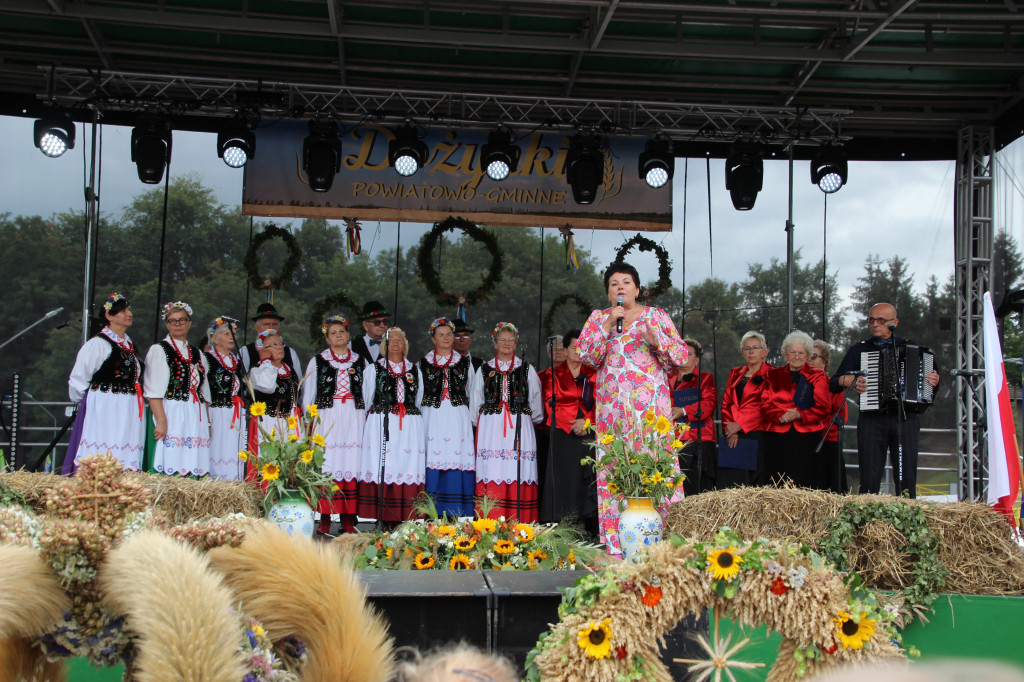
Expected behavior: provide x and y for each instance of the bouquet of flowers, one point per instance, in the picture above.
(291, 456)
(639, 458)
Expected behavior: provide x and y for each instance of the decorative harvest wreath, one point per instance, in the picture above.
(252, 258)
(582, 306)
(611, 622)
(329, 304)
(664, 266)
(432, 279)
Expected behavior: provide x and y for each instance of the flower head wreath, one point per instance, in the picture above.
(176, 305)
(504, 325)
(441, 322)
(336, 318)
(111, 300)
(217, 324)
(261, 338)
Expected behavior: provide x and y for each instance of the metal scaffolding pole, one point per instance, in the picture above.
(91, 219)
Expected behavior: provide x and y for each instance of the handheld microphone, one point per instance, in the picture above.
(228, 319)
(967, 372)
(619, 300)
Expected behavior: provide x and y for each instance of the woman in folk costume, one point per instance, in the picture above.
(178, 393)
(632, 361)
(227, 416)
(506, 394)
(335, 386)
(392, 390)
(106, 383)
(274, 384)
(450, 477)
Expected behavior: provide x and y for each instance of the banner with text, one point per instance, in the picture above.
(451, 182)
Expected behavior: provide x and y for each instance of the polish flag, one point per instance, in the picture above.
(1003, 461)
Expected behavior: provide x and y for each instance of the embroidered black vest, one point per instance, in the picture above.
(518, 390)
(119, 372)
(433, 382)
(222, 380)
(387, 385)
(282, 400)
(178, 385)
(327, 381)
(254, 357)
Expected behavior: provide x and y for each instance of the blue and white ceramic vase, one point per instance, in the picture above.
(292, 514)
(640, 525)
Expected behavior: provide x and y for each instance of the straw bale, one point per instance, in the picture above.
(976, 546)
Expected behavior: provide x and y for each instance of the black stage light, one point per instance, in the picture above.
(828, 168)
(321, 155)
(407, 153)
(499, 156)
(584, 167)
(151, 149)
(54, 135)
(657, 164)
(744, 175)
(236, 144)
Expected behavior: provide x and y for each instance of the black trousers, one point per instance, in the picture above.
(878, 434)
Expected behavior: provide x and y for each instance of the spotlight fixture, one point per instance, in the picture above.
(407, 153)
(584, 167)
(499, 156)
(657, 164)
(236, 144)
(321, 155)
(151, 149)
(828, 168)
(54, 135)
(744, 174)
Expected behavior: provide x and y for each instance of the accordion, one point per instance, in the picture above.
(886, 370)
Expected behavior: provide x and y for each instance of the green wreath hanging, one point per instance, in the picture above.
(922, 545)
(432, 279)
(664, 266)
(581, 305)
(338, 301)
(252, 258)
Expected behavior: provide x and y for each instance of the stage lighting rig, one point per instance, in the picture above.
(321, 155)
(151, 149)
(657, 164)
(828, 168)
(407, 153)
(54, 135)
(236, 144)
(584, 167)
(499, 157)
(744, 174)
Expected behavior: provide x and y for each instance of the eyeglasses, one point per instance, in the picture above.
(379, 322)
(751, 349)
(815, 356)
(178, 320)
(880, 320)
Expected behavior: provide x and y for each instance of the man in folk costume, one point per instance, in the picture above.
(267, 317)
(506, 394)
(463, 340)
(375, 322)
(179, 395)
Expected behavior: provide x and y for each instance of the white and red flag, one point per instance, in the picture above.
(1003, 461)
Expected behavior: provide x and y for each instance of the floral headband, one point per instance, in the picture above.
(111, 300)
(261, 338)
(336, 318)
(504, 325)
(176, 305)
(217, 324)
(442, 322)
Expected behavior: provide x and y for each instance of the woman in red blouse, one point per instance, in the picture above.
(835, 464)
(742, 418)
(570, 487)
(796, 401)
(695, 406)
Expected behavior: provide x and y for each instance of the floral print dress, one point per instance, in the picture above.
(631, 379)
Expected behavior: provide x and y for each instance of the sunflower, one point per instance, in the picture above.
(446, 531)
(292, 422)
(613, 489)
(423, 562)
(663, 425)
(596, 639)
(292, 437)
(257, 409)
(676, 444)
(607, 438)
(318, 439)
(313, 410)
(272, 432)
(485, 525)
(651, 596)
(243, 455)
(649, 416)
(464, 544)
(853, 634)
(504, 547)
(459, 562)
(387, 554)
(270, 471)
(523, 532)
(307, 456)
(724, 564)
(586, 424)
(535, 557)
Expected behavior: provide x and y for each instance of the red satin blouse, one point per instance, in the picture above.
(747, 411)
(777, 397)
(568, 395)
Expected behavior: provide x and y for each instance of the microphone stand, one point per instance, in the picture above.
(243, 380)
(554, 415)
(52, 313)
(901, 414)
(385, 435)
(517, 441)
(832, 422)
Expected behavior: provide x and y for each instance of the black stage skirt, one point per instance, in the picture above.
(791, 456)
(707, 451)
(569, 487)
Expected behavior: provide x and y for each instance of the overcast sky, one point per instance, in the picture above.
(885, 208)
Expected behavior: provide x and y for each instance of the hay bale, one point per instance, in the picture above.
(182, 500)
(975, 543)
